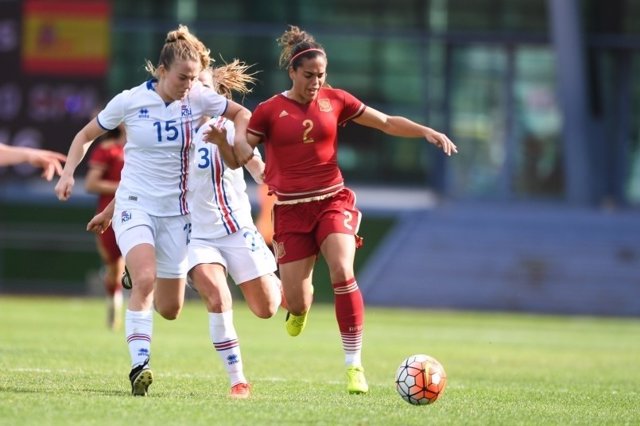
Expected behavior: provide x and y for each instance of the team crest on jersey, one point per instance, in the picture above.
(185, 110)
(325, 105)
(125, 216)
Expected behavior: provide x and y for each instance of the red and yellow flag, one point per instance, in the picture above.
(66, 37)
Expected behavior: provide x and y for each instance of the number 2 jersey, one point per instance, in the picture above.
(159, 137)
(301, 142)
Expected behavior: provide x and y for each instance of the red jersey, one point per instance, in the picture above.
(301, 142)
(109, 157)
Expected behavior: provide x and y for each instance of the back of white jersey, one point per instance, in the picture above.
(218, 198)
(159, 137)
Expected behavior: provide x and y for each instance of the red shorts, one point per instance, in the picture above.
(108, 245)
(301, 228)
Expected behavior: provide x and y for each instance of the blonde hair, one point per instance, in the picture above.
(180, 44)
(233, 77)
(297, 44)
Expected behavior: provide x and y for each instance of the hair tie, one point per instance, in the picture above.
(313, 49)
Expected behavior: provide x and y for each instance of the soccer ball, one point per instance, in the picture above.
(420, 379)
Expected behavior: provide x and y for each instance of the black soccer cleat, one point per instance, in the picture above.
(141, 377)
(126, 279)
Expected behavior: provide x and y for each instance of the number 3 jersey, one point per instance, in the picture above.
(218, 198)
(159, 136)
(301, 142)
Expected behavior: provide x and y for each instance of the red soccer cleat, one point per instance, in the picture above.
(240, 391)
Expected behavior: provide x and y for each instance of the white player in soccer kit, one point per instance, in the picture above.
(224, 239)
(151, 219)
(222, 227)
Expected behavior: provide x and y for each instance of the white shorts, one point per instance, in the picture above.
(244, 254)
(169, 235)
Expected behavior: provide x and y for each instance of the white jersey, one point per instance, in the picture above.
(159, 136)
(218, 198)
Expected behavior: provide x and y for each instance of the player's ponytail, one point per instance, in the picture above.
(297, 44)
(233, 77)
(180, 44)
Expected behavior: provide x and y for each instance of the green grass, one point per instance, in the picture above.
(60, 366)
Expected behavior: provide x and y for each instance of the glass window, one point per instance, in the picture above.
(478, 107)
(632, 179)
(498, 15)
(539, 168)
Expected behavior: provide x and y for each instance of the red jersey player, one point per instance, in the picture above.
(105, 165)
(314, 212)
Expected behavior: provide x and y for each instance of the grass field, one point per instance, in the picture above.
(60, 366)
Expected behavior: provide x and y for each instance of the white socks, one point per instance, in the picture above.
(138, 326)
(225, 341)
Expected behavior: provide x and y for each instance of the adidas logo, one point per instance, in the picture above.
(283, 114)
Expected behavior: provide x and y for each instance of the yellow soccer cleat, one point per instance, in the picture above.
(295, 323)
(356, 382)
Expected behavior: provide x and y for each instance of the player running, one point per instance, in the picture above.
(151, 212)
(314, 212)
(105, 166)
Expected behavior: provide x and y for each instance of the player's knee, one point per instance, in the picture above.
(144, 280)
(266, 311)
(168, 311)
(340, 272)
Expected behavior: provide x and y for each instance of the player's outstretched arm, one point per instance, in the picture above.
(49, 161)
(403, 127)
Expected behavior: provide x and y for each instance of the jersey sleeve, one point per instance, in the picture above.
(213, 104)
(258, 124)
(353, 107)
(113, 114)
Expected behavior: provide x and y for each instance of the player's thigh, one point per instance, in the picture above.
(262, 295)
(339, 252)
(210, 280)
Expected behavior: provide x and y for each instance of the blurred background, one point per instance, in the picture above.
(538, 211)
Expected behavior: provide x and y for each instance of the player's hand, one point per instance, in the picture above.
(243, 152)
(64, 187)
(99, 223)
(49, 161)
(214, 135)
(442, 141)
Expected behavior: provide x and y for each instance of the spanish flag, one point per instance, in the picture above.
(66, 37)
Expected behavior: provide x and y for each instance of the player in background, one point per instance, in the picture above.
(49, 161)
(151, 219)
(314, 212)
(102, 178)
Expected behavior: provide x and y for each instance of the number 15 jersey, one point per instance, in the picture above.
(159, 136)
